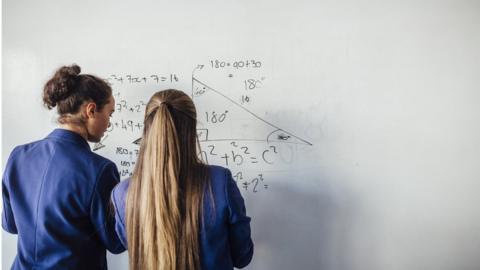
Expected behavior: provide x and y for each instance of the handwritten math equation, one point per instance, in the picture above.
(243, 159)
(126, 159)
(238, 154)
(236, 64)
(142, 79)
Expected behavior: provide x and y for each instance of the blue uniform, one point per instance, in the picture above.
(225, 240)
(56, 197)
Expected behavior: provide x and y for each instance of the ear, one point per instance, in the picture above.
(90, 109)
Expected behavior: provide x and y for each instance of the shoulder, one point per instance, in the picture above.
(220, 180)
(17, 149)
(218, 172)
(21, 151)
(26, 147)
(101, 161)
(100, 168)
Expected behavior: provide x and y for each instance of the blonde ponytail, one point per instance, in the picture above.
(166, 188)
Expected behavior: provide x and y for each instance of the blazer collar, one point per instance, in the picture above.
(70, 136)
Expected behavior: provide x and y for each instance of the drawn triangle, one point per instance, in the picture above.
(137, 141)
(221, 118)
(99, 145)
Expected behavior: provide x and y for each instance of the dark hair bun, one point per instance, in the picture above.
(61, 85)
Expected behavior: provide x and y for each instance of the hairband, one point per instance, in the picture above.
(164, 103)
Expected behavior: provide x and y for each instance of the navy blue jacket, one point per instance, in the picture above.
(56, 197)
(225, 240)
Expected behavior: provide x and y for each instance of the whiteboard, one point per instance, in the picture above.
(351, 127)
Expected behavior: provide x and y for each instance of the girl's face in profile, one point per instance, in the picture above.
(98, 124)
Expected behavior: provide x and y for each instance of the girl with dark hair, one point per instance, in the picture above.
(56, 191)
(177, 213)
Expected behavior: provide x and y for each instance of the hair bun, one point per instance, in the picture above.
(61, 85)
(67, 71)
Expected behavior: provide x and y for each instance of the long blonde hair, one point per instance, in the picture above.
(165, 198)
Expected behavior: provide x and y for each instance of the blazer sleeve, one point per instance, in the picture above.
(102, 212)
(119, 206)
(8, 220)
(241, 244)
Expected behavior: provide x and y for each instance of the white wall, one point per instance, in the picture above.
(385, 91)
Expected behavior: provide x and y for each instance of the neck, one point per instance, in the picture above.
(77, 129)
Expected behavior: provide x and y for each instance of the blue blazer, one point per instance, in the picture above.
(56, 197)
(225, 240)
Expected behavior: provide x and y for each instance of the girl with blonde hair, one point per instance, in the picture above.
(177, 213)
